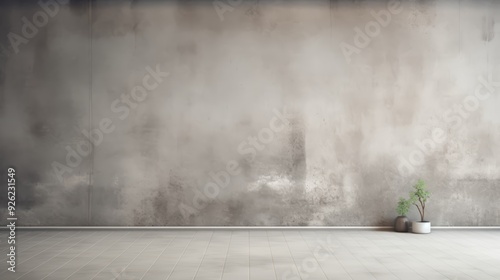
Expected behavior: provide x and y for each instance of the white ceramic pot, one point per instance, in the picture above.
(421, 227)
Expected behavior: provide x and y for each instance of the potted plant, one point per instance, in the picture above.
(419, 197)
(401, 223)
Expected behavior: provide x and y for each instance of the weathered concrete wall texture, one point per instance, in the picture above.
(252, 112)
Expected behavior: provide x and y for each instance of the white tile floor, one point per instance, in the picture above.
(253, 254)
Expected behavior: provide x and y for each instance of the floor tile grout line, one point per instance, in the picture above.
(291, 255)
(225, 259)
(131, 244)
(326, 277)
(149, 244)
(62, 241)
(430, 268)
(157, 258)
(461, 262)
(30, 237)
(184, 251)
(74, 245)
(382, 264)
(272, 257)
(38, 243)
(61, 266)
(204, 254)
(18, 240)
(357, 258)
(249, 248)
(343, 267)
(24, 261)
(417, 272)
(468, 248)
(96, 256)
(360, 261)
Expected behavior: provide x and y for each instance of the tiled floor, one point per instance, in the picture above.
(253, 254)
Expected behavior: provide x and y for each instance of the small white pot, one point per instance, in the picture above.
(421, 227)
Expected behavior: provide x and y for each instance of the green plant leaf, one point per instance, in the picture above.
(419, 197)
(403, 207)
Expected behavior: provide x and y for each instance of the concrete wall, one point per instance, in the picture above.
(259, 113)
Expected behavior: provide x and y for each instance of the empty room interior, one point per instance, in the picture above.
(250, 139)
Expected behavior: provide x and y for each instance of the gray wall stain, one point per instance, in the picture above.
(337, 161)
